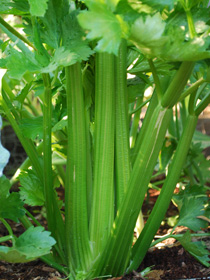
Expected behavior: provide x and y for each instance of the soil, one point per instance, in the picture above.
(170, 262)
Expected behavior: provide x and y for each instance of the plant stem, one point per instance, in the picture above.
(191, 89)
(141, 246)
(135, 124)
(17, 34)
(156, 79)
(177, 235)
(54, 218)
(89, 163)
(9, 229)
(6, 238)
(177, 85)
(202, 104)
(102, 212)
(76, 215)
(122, 164)
(55, 265)
(150, 110)
(133, 111)
(191, 24)
(117, 252)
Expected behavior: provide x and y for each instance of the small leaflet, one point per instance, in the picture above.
(38, 7)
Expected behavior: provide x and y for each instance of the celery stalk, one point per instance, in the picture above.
(102, 212)
(76, 217)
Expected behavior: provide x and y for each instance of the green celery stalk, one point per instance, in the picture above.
(117, 251)
(54, 218)
(142, 245)
(150, 110)
(135, 124)
(102, 212)
(177, 85)
(202, 104)
(122, 157)
(76, 214)
(156, 79)
(192, 88)
(89, 163)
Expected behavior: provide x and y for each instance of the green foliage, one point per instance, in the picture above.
(191, 209)
(31, 190)
(38, 8)
(33, 243)
(11, 206)
(101, 17)
(196, 249)
(68, 98)
(32, 128)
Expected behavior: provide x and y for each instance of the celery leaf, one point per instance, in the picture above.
(103, 25)
(38, 7)
(192, 208)
(18, 63)
(73, 37)
(11, 206)
(197, 249)
(31, 190)
(33, 243)
(160, 3)
(4, 186)
(155, 37)
(32, 127)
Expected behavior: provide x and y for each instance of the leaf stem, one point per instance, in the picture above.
(141, 246)
(202, 104)
(135, 124)
(191, 89)
(76, 214)
(9, 229)
(117, 251)
(122, 157)
(191, 25)
(140, 106)
(54, 218)
(177, 85)
(156, 79)
(16, 33)
(177, 235)
(6, 238)
(102, 213)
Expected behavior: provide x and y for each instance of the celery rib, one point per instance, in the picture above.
(142, 245)
(76, 218)
(102, 212)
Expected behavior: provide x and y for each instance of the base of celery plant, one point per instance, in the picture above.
(39, 270)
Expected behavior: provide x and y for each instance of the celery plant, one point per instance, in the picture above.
(73, 60)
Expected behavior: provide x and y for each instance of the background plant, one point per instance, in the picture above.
(68, 99)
